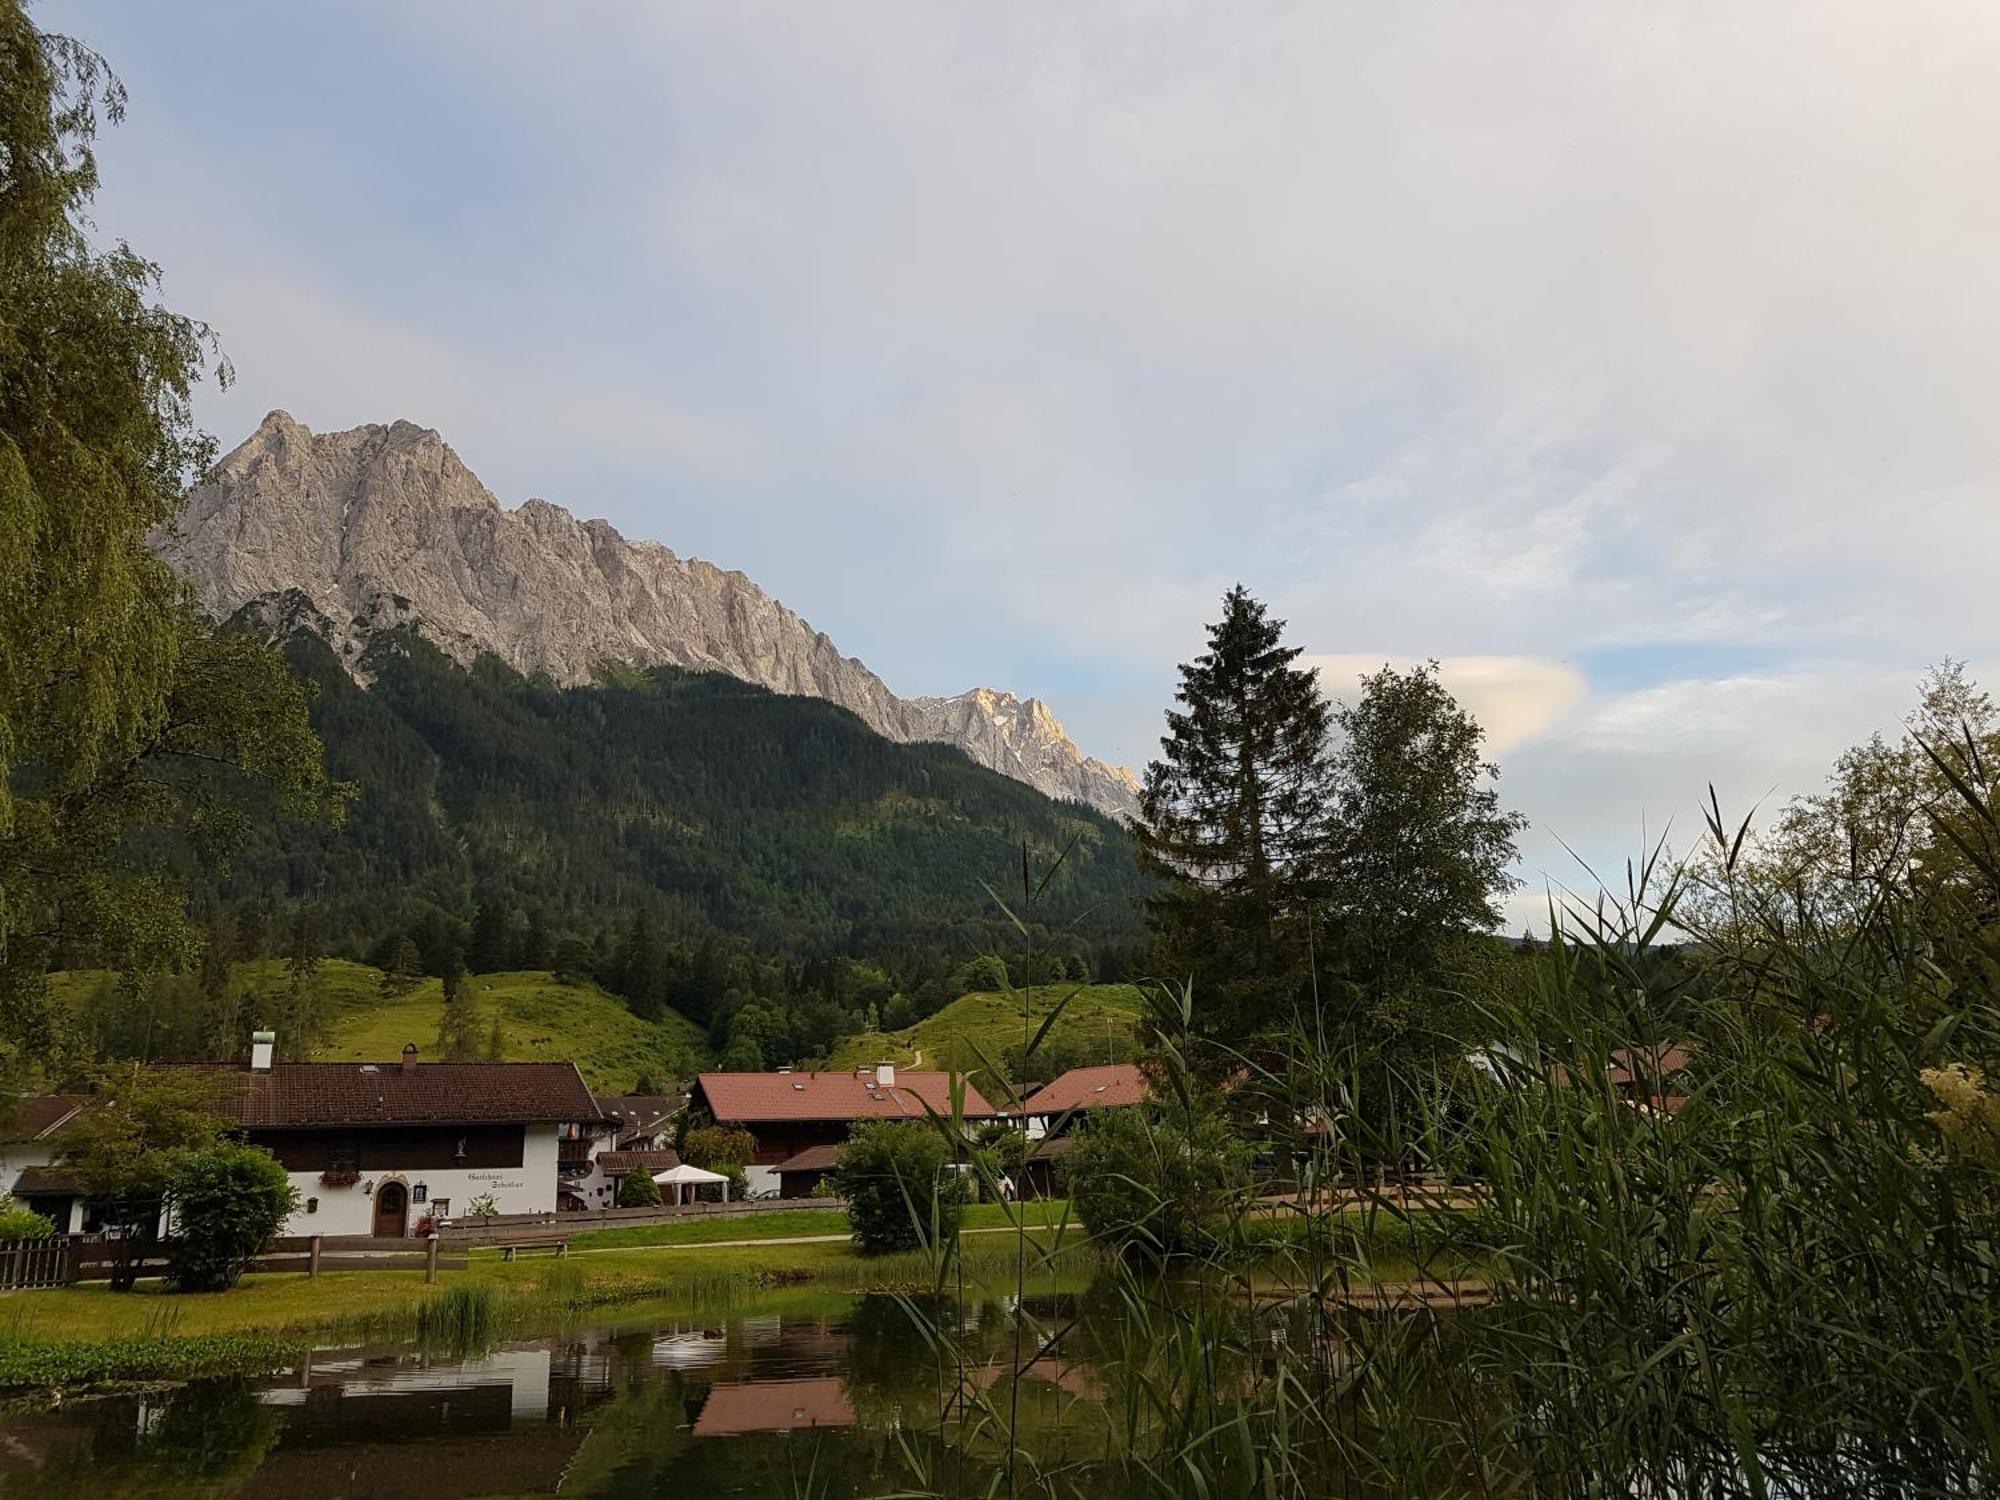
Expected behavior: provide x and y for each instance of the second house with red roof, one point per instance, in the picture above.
(799, 1120)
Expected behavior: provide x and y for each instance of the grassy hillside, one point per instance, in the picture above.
(1103, 1018)
(540, 1020)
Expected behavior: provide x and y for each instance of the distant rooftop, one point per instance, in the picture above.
(1108, 1086)
(293, 1095)
(743, 1098)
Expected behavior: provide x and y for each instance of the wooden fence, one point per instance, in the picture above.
(502, 1227)
(68, 1259)
(35, 1263)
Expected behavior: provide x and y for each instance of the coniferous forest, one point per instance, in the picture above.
(673, 834)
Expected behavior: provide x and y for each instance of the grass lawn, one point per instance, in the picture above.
(291, 1303)
(993, 1021)
(618, 1266)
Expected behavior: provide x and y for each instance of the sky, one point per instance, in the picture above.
(1636, 362)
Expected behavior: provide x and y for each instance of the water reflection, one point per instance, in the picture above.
(751, 1405)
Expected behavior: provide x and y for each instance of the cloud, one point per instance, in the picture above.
(1516, 699)
(1000, 341)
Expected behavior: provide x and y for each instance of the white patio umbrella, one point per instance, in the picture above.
(684, 1178)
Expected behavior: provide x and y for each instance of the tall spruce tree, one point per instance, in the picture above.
(458, 1026)
(1231, 818)
(490, 948)
(641, 967)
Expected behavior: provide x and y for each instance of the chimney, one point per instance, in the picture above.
(885, 1075)
(409, 1057)
(262, 1045)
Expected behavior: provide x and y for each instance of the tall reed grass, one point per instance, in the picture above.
(1775, 1274)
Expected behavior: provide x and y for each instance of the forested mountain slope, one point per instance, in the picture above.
(781, 822)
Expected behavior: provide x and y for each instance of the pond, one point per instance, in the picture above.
(831, 1395)
(835, 1403)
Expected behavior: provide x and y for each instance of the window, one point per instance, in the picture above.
(343, 1164)
(419, 1192)
(441, 1207)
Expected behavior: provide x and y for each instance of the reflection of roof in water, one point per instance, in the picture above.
(774, 1406)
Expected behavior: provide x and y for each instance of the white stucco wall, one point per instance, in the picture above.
(19, 1154)
(527, 1189)
(594, 1188)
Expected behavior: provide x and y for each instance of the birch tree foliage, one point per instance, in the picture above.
(126, 721)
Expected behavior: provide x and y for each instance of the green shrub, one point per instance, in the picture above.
(228, 1200)
(19, 1222)
(1156, 1186)
(902, 1189)
(638, 1190)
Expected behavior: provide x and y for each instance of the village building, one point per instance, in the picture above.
(1646, 1077)
(798, 1120)
(1050, 1114)
(29, 1128)
(388, 1148)
(631, 1133)
(1109, 1086)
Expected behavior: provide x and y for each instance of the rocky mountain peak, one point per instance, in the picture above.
(379, 524)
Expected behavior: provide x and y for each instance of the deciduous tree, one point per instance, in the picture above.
(120, 711)
(1418, 856)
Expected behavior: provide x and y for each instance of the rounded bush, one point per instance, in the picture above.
(902, 1188)
(638, 1190)
(228, 1200)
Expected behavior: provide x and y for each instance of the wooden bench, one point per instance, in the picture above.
(559, 1244)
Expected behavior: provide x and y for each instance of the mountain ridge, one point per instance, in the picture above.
(384, 526)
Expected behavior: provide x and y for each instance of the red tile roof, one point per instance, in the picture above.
(304, 1094)
(37, 1115)
(774, 1406)
(1649, 1064)
(616, 1163)
(1090, 1088)
(749, 1098)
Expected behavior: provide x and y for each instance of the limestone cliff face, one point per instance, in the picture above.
(385, 525)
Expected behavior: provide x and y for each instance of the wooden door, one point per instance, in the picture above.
(392, 1211)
